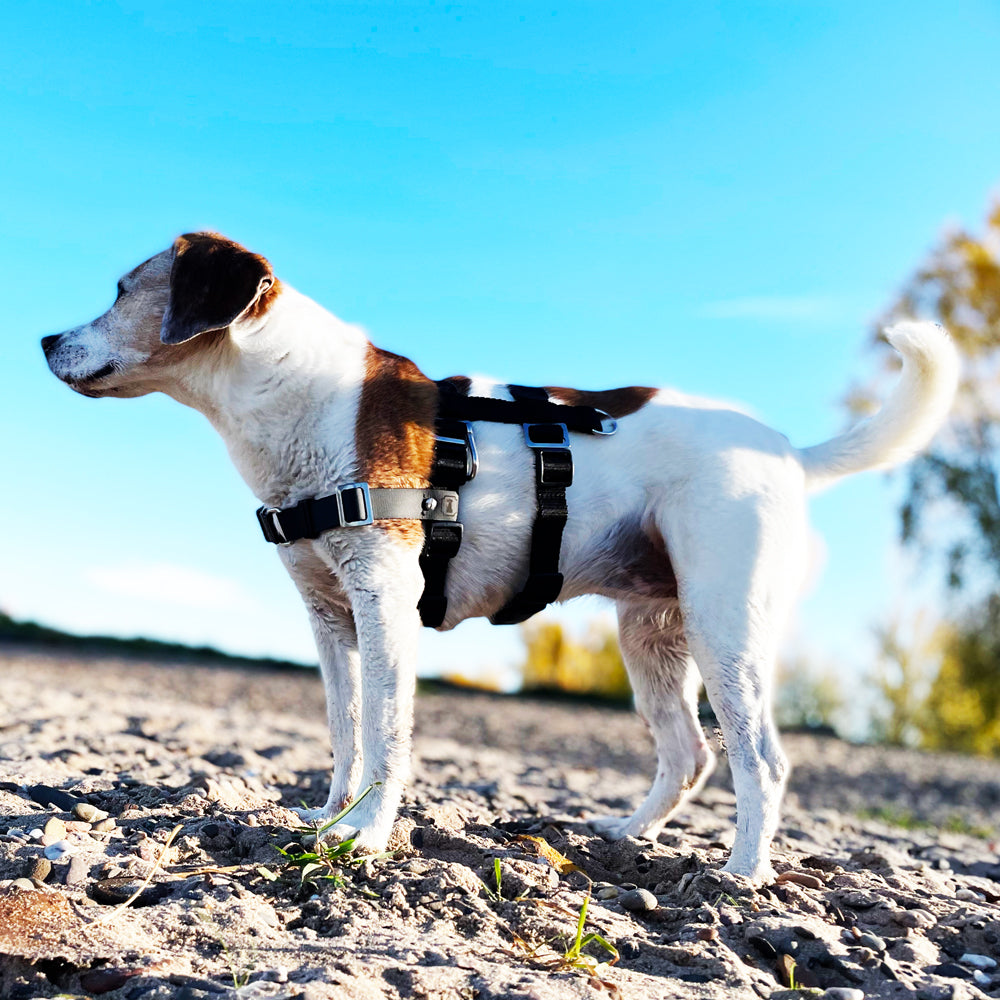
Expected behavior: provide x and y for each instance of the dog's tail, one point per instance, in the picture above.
(909, 419)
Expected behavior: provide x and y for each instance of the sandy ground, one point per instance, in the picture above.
(864, 906)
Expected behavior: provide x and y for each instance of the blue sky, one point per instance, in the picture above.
(719, 197)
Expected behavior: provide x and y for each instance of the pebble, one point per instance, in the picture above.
(978, 961)
(950, 971)
(55, 829)
(707, 934)
(41, 869)
(800, 878)
(981, 977)
(872, 941)
(16, 833)
(57, 850)
(24, 884)
(638, 900)
(105, 825)
(88, 813)
(104, 980)
(35, 834)
(843, 993)
(608, 892)
(79, 870)
(112, 891)
(913, 918)
(46, 795)
(968, 896)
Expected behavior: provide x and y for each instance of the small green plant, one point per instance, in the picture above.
(242, 961)
(574, 957)
(495, 894)
(323, 862)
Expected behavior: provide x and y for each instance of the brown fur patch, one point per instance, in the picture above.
(614, 402)
(395, 430)
(462, 383)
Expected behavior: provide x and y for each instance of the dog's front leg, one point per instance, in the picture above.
(383, 597)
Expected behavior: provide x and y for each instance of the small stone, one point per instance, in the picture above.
(55, 828)
(46, 795)
(978, 961)
(800, 878)
(24, 884)
(763, 946)
(913, 918)
(707, 934)
(112, 891)
(89, 813)
(41, 869)
(843, 993)
(105, 825)
(608, 892)
(16, 833)
(950, 971)
(786, 970)
(79, 870)
(638, 900)
(99, 981)
(57, 850)
(35, 834)
(872, 941)
(981, 977)
(969, 896)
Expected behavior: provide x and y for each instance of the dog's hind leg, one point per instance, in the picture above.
(739, 566)
(666, 683)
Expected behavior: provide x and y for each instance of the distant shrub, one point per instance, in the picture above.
(556, 662)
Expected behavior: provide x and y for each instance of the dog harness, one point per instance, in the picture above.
(546, 426)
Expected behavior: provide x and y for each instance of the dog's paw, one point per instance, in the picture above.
(756, 874)
(615, 827)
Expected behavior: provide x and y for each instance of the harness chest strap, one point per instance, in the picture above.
(546, 428)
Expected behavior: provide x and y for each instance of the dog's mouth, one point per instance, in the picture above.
(85, 384)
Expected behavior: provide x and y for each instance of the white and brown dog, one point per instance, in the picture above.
(691, 518)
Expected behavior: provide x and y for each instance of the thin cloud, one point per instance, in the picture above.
(169, 584)
(771, 307)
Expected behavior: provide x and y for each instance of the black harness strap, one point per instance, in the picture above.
(453, 465)
(553, 473)
(546, 426)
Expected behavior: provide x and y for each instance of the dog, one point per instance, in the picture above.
(691, 518)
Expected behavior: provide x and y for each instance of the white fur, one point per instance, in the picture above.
(724, 494)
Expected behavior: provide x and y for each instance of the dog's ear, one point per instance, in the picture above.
(213, 281)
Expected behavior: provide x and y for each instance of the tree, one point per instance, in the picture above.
(952, 506)
(951, 509)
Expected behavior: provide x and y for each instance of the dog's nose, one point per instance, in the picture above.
(49, 342)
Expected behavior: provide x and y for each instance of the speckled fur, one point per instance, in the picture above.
(691, 517)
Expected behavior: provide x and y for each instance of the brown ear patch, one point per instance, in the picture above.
(214, 281)
(395, 430)
(614, 402)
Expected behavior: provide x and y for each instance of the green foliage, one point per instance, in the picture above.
(951, 511)
(957, 479)
(902, 680)
(555, 662)
(962, 711)
(807, 696)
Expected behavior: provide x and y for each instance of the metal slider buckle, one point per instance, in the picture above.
(362, 488)
(564, 443)
(608, 423)
(469, 444)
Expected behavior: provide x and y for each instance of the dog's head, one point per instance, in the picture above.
(203, 284)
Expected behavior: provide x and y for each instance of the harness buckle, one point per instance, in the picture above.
(355, 504)
(608, 423)
(267, 518)
(468, 445)
(546, 435)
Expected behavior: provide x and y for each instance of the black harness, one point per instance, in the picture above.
(546, 426)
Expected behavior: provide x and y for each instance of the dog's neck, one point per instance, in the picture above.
(283, 392)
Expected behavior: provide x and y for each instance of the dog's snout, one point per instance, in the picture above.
(49, 342)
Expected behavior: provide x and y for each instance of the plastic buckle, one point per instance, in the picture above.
(362, 501)
(546, 435)
(444, 539)
(267, 517)
(555, 467)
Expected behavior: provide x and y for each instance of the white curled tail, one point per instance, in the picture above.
(909, 419)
